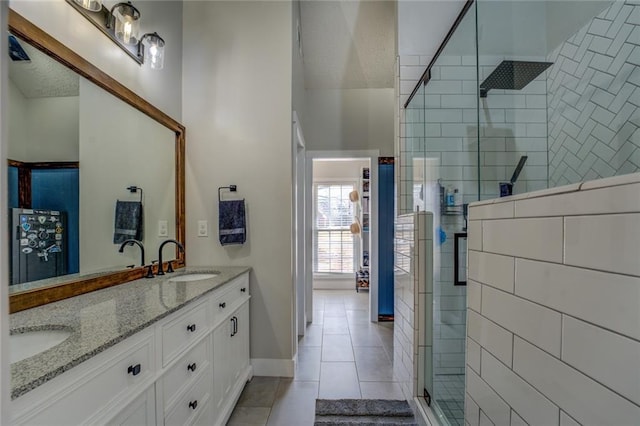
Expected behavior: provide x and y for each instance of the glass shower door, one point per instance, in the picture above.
(450, 182)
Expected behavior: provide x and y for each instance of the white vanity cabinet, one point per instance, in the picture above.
(188, 368)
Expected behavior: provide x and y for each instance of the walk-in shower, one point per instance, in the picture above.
(549, 89)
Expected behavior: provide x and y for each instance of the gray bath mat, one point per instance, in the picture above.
(361, 412)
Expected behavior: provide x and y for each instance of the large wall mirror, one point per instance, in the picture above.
(80, 143)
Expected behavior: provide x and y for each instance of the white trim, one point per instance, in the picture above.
(424, 415)
(372, 155)
(299, 309)
(272, 367)
(5, 408)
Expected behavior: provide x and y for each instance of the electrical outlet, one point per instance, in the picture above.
(163, 228)
(203, 230)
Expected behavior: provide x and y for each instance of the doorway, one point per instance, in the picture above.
(333, 254)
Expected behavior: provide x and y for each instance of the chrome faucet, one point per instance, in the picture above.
(169, 268)
(132, 242)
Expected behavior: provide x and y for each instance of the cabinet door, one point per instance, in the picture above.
(142, 411)
(241, 341)
(222, 356)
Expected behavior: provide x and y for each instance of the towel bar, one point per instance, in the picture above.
(134, 189)
(231, 188)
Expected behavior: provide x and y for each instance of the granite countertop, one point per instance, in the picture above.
(100, 319)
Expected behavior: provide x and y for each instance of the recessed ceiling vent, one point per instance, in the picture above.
(512, 75)
(16, 52)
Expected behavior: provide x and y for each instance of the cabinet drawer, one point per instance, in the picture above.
(230, 296)
(85, 397)
(189, 406)
(180, 332)
(186, 370)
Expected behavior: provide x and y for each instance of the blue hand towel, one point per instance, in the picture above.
(128, 221)
(232, 222)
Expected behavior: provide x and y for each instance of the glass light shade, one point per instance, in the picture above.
(127, 23)
(92, 5)
(155, 51)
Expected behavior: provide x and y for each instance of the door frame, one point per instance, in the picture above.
(301, 312)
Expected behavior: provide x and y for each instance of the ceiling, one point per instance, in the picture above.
(348, 44)
(42, 77)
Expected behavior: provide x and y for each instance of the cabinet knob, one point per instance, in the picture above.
(191, 328)
(191, 367)
(243, 289)
(193, 404)
(223, 305)
(134, 369)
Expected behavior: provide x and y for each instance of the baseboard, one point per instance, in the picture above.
(334, 284)
(273, 367)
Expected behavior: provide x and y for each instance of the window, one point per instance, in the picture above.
(333, 250)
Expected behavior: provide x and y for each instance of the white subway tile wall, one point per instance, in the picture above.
(412, 299)
(594, 97)
(561, 346)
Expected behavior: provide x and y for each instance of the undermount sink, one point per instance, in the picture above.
(194, 277)
(29, 343)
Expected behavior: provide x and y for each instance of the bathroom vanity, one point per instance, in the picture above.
(170, 350)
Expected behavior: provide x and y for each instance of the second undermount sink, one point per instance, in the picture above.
(29, 343)
(195, 277)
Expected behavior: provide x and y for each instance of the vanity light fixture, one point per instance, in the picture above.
(155, 53)
(122, 25)
(124, 18)
(92, 5)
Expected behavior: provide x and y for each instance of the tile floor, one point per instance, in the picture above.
(342, 355)
(449, 391)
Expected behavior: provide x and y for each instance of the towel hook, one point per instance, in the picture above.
(231, 188)
(134, 189)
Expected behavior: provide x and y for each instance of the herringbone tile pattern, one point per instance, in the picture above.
(594, 96)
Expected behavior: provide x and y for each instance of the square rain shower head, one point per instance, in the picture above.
(512, 75)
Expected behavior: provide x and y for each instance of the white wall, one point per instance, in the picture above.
(161, 88)
(338, 169)
(553, 332)
(413, 300)
(353, 119)
(422, 26)
(237, 110)
(42, 129)
(138, 151)
(17, 128)
(299, 92)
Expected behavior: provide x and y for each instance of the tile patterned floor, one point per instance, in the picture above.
(449, 391)
(341, 343)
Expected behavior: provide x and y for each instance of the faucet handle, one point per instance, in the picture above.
(149, 271)
(170, 266)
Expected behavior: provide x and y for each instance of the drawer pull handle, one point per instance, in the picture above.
(134, 369)
(191, 367)
(234, 321)
(193, 404)
(223, 305)
(244, 290)
(191, 328)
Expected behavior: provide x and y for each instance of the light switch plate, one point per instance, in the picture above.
(163, 228)
(203, 230)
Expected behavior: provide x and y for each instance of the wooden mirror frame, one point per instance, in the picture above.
(27, 31)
